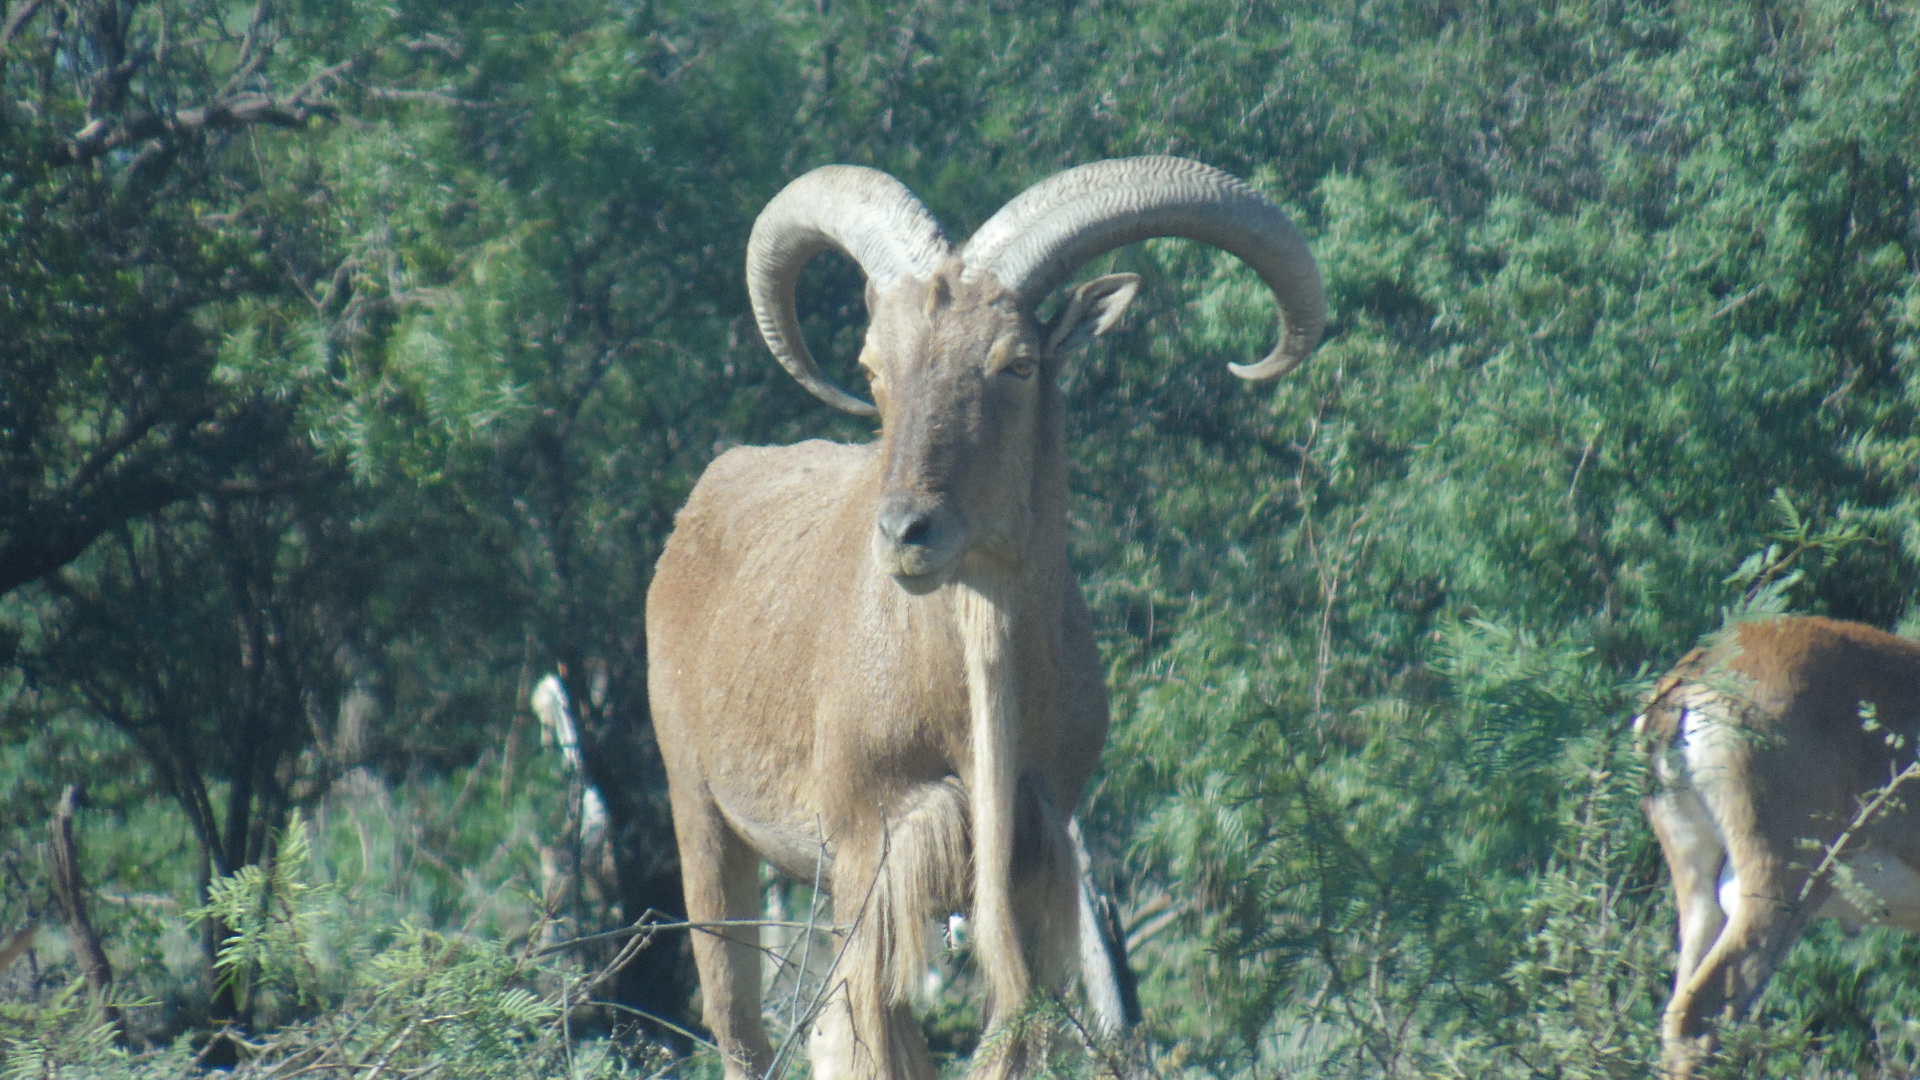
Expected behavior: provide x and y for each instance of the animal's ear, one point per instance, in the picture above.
(1091, 311)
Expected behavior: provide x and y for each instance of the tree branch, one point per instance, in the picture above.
(76, 525)
(18, 14)
(251, 55)
(432, 97)
(231, 112)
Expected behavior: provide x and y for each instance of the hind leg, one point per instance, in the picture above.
(1047, 895)
(1767, 919)
(1694, 856)
(721, 876)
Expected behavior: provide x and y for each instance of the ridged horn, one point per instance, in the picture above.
(1063, 222)
(865, 213)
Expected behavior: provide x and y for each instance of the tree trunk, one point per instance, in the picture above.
(69, 891)
(621, 759)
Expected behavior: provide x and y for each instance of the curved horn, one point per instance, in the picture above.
(1058, 225)
(865, 213)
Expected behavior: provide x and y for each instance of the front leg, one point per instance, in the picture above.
(1045, 906)
(721, 876)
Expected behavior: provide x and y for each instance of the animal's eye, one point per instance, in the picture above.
(1007, 356)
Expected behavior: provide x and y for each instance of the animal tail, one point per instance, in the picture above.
(1658, 724)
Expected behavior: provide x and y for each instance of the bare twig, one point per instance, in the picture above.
(784, 1053)
(1102, 1048)
(620, 960)
(431, 97)
(1586, 454)
(661, 1020)
(1868, 811)
(806, 936)
(1734, 304)
(394, 1048)
(646, 929)
(241, 110)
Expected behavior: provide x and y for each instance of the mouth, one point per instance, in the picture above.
(916, 567)
(919, 547)
(921, 584)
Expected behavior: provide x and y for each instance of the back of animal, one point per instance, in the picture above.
(1807, 675)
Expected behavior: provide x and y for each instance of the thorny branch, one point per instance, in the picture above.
(1868, 811)
(645, 930)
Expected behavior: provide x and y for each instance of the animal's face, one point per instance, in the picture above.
(964, 380)
(956, 371)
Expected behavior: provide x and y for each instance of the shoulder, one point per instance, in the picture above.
(815, 460)
(749, 488)
(751, 474)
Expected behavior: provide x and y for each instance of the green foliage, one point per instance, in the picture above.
(267, 913)
(343, 978)
(1767, 577)
(50, 1038)
(1626, 321)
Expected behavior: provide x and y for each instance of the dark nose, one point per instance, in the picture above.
(904, 523)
